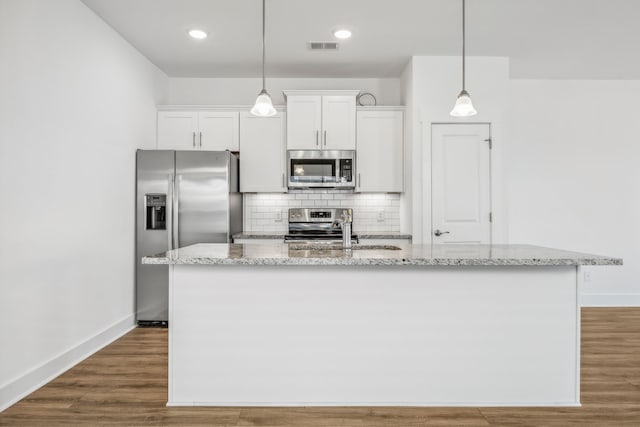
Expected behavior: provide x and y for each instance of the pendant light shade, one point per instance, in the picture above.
(464, 106)
(263, 106)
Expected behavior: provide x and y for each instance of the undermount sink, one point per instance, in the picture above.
(337, 247)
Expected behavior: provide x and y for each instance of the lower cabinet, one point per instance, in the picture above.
(380, 151)
(262, 158)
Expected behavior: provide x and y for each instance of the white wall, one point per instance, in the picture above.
(76, 101)
(243, 91)
(436, 82)
(573, 176)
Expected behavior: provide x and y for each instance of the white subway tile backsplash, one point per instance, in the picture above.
(260, 209)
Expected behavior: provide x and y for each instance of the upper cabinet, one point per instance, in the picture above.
(262, 160)
(219, 130)
(321, 120)
(199, 130)
(304, 122)
(177, 130)
(380, 150)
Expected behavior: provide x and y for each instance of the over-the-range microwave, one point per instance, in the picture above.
(321, 168)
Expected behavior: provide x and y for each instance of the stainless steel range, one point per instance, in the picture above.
(317, 225)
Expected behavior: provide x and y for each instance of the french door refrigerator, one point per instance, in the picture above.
(182, 198)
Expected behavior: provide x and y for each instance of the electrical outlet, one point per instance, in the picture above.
(380, 216)
(278, 216)
(587, 276)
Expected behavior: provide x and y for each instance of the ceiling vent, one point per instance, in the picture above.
(323, 45)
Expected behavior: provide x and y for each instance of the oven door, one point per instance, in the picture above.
(320, 169)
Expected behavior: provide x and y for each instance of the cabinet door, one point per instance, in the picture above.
(219, 130)
(338, 122)
(379, 161)
(177, 130)
(262, 159)
(304, 121)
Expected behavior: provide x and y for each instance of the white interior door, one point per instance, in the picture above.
(461, 183)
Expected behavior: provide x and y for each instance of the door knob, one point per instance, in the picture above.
(440, 233)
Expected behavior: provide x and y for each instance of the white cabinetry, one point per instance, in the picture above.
(198, 130)
(177, 130)
(262, 159)
(321, 120)
(380, 150)
(219, 130)
(305, 122)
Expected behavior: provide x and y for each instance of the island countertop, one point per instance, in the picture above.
(405, 254)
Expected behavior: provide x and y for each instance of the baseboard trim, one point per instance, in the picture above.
(610, 300)
(383, 404)
(12, 392)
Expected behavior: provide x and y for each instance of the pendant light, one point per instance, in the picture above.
(463, 107)
(264, 106)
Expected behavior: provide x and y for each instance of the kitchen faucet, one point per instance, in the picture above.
(345, 223)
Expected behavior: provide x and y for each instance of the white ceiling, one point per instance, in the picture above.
(590, 39)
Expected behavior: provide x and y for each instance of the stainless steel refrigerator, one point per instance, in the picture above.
(182, 198)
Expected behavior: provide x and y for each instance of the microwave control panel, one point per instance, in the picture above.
(346, 169)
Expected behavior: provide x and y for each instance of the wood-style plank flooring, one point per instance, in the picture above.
(126, 384)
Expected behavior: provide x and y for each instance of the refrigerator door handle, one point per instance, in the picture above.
(169, 218)
(176, 208)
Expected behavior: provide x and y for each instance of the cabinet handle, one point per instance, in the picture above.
(317, 133)
(282, 180)
(325, 138)
(359, 181)
(194, 140)
(200, 139)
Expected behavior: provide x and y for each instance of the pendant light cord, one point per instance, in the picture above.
(463, 49)
(264, 86)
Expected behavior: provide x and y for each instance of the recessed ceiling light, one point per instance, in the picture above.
(198, 34)
(342, 34)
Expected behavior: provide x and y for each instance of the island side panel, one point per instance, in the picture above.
(346, 335)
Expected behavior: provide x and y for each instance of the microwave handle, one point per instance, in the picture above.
(317, 136)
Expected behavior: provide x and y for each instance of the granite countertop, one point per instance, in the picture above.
(367, 235)
(405, 254)
(258, 235)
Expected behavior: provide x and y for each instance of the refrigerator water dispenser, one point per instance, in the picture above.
(156, 211)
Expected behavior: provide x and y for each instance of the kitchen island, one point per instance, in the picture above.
(416, 325)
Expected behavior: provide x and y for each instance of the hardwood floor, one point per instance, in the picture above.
(126, 384)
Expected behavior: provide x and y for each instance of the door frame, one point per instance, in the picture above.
(427, 187)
